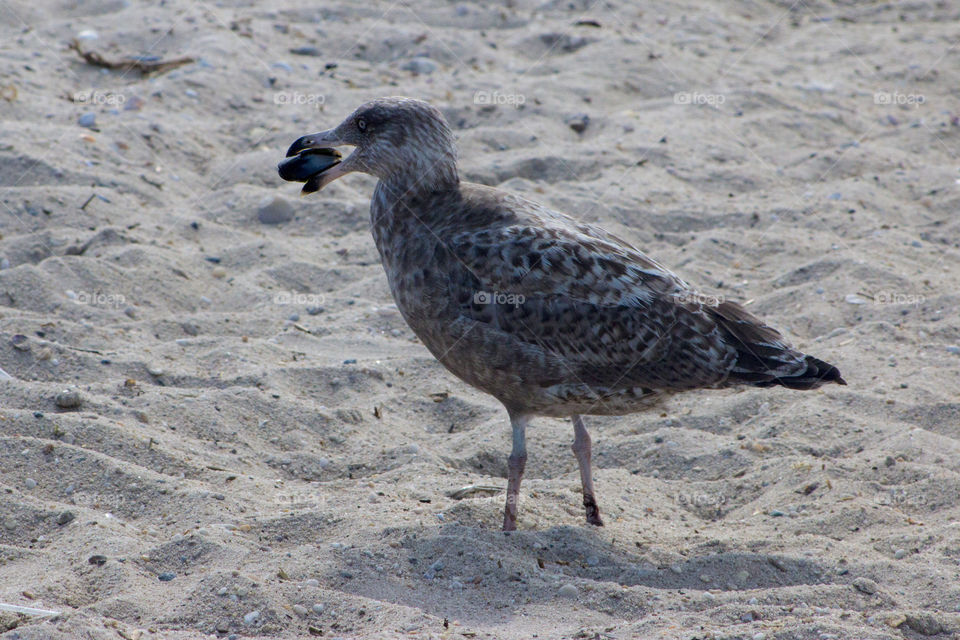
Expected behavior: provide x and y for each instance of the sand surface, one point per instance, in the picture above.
(263, 449)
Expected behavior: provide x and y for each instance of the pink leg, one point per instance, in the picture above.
(581, 449)
(515, 464)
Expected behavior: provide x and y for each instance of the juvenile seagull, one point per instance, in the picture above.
(550, 316)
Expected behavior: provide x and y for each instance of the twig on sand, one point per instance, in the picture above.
(30, 611)
(143, 65)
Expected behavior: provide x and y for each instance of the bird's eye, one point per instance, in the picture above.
(362, 124)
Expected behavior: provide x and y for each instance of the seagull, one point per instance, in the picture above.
(551, 316)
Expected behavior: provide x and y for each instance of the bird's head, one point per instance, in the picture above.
(398, 140)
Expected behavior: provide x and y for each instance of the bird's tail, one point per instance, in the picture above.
(764, 359)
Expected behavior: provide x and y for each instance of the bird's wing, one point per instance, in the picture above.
(615, 317)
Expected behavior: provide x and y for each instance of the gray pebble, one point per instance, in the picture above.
(569, 591)
(746, 617)
(865, 585)
(294, 317)
(437, 566)
(9, 524)
(300, 610)
(578, 122)
(65, 517)
(68, 399)
(317, 608)
(420, 65)
(4, 263)
(30, 483)
(88, 120)
(223, 625)
(900, 554)
(306, 50)
(593, 561)
(166, 576)
(274, 210)
(312, 582)
(251, 618)
(954, 349)
(20, 342)
(314, 310)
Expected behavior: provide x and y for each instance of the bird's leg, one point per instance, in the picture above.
(515, 464)
(581, 449)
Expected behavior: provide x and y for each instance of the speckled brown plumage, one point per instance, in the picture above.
(549, 315)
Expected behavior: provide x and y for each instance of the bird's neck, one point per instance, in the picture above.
(420, 176)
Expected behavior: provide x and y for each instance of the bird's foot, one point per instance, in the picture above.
(593, 511)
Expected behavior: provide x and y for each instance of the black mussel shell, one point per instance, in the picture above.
(307, 164)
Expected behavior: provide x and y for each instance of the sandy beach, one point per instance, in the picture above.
(216, 424)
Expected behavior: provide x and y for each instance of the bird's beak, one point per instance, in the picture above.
(312, 160)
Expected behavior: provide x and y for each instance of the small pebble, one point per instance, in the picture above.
(274, 210)
(437, 566)
(578, 122)
(317, 608)
(68, 399)
(300, 610)
(9, 524)
(65, 517)
(223, 625)
(306, 50)
(315, 310)
(852, 298)
(420, 65)
(776, 513)
(593, 561)
(742, 576)
(218, 272)
(759, 636)
(955, 350)
(311, 582)
(677, 569)
(166, 576)
(746, 617)
(753, 601)
(88, 120)
(569, 591)
(20, 342)
(900, 554)
(30, 483)
(705, 578)
(865, 585)
(251, 618)
(97, 560)
(155, 370)
(294, 317)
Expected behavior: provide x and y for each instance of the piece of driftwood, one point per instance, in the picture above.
(146, 67)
